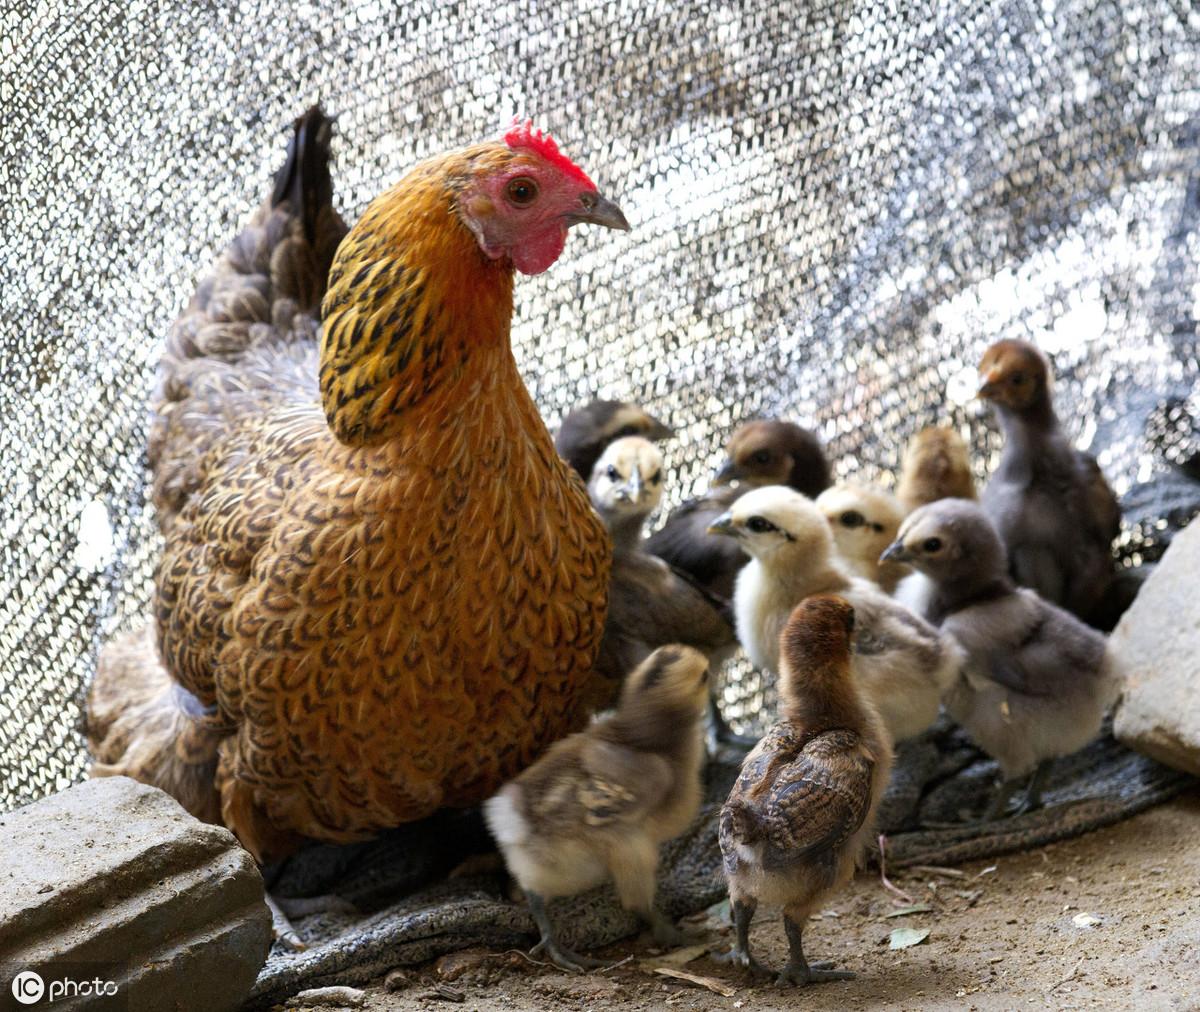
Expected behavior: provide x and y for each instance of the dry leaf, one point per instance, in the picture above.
(905, 938)
(714, 985)
(1086, 920)
(916, 908)
(677, 957)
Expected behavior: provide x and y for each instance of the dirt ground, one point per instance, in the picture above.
(1109, 920)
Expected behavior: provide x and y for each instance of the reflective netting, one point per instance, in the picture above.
(836, 207)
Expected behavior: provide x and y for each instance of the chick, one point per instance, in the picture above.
(936, 465)
(1055, 512)
(796, 821)
(599, 803)
(901, 662)
(864, 520)
(759, 453)
(649, 604)
(586, 431)
(1037, 681)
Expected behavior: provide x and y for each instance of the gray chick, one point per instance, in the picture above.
(1037, 681)
(586, 431)
(599, 803)
(761, 452)
(1056, 514)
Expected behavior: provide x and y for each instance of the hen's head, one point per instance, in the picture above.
(628, 478)
(521, 195)
(1014, 374)
(772, 452)
(779, 527)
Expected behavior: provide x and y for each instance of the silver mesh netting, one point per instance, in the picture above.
(836, 207)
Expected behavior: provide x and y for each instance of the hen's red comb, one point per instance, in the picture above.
(523, 135)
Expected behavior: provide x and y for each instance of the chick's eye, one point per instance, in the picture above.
(522, 191)
(655, 478)
(759, 525)
(932, 545)
(1016, 379)
(760, 457)
(852, 518)
(627, 430)
(613, 473)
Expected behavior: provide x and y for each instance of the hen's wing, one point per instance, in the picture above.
(248, 339)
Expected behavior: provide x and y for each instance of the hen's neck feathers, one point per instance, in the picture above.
(415, 314)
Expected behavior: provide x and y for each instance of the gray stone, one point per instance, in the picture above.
(1157, 649)
(112, 879)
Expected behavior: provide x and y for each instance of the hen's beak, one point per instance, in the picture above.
(723, 525)
(895, 552)
(726, 473)
(597, 210)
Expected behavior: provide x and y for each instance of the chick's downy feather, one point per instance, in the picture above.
(379, 582)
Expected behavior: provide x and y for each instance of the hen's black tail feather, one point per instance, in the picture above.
(305, 181)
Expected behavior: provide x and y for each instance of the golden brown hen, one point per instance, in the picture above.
(383, 595)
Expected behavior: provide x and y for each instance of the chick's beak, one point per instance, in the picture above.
(726, 473)
(895, 552)
(723, 525)
(989, 384)
(597, 210)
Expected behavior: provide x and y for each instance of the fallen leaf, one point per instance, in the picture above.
(347, 997)
(711, 983)
(1086, 920)
(904, 938)
(916, 908)
(987, 871)
(677, 957)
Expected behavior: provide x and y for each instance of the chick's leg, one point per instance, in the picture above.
(1033, 793)
(798, 969)
(633, 876)
(743, 913)
(559, 955)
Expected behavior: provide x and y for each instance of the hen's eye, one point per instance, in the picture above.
(761, 457)
(852, 518)
(522, 191)
(759, 525)
(932, 545)
(613, 473)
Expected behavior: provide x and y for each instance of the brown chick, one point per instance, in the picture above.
(936, 466)
(587, 431)
(764, 452)
(1053, 508)
(864, 520)
(598, 804)
(803, 807)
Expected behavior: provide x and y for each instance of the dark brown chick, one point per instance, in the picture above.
(759, 453)
(587, 431)
(803, 808)
(598, 804)
(1050, 502)
(936, 466)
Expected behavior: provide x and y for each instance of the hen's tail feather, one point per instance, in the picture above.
(248, 339)
(142, 724)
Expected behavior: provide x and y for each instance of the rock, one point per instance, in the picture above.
(141, 896)
(1156, 646)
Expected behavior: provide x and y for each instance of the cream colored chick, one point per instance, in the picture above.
(1037, 681)
(864, 520)
(599, 803)
(802, 809)
(902, 662)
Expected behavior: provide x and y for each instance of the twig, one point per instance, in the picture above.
(1067, 979)
(618, 963)
(933, 869)
(887, 883)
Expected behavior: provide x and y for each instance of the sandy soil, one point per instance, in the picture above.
(1109, 920)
